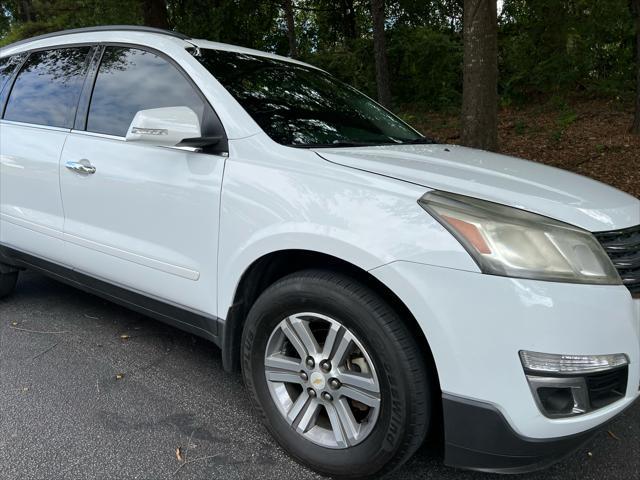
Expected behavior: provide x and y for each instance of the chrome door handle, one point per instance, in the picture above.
(80, 167)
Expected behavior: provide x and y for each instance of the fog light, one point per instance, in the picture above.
(560, 396)
(556, 401)
(568, 385)
(549, 363)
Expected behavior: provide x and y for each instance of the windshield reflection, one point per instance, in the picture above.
(301, 106)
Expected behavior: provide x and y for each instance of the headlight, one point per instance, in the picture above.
(514, 243)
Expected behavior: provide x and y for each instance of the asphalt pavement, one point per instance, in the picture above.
(91, 390)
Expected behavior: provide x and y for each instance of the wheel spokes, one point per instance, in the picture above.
(297, 407)
(334, 332)
(308, 416)
(282, 362)
(361, 396)
(280, 368)
(282, 376)
(360, 387)
(342, 346)
(301, 337)
(322, 380)
(361, 381)
(344, 426)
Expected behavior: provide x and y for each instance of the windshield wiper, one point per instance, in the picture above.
(420, 141)
(340, 144)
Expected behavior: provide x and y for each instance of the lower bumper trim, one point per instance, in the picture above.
(478, 437)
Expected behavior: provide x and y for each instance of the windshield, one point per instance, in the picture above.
(304, 107)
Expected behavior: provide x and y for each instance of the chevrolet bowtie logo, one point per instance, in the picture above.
(317, 380)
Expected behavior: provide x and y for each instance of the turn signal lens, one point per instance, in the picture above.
(535, 362)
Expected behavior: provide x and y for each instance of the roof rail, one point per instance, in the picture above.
(103, 28)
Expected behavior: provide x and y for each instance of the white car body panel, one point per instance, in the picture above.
(293, 199)
(31, 213)
(531, 186)
(126, 223)
(183, 227)
(478, 323)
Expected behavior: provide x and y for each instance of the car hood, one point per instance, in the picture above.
(531, 186)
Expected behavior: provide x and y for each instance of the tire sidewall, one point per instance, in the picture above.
(369, 322)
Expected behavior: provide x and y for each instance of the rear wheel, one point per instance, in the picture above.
(336, 375)
(8, 280)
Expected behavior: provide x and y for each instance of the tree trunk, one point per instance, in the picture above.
(287, 5)
(635, 9)
(380, 51)
(154, 13)
(348, 19)
(480, 88)
(25, 11)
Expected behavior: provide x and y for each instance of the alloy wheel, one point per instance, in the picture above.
(322, 380)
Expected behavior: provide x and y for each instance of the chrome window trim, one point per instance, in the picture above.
(99, 135)
(34, 125)
(123, 139)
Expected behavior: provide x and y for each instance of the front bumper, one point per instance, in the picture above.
(476, 324)
(479, 438)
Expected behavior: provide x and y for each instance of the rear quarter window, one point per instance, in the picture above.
(7, 66)
(47, 89)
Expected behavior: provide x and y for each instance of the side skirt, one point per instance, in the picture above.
(196, 323)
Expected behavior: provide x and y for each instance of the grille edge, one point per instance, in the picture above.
(623, 248)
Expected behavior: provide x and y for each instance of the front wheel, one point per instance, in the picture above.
(336, 375)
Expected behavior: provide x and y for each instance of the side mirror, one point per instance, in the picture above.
(166, 127)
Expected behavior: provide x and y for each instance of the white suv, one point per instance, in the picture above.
(372, 284)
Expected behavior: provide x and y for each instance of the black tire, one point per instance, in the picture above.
(8, 282)
(405, 387)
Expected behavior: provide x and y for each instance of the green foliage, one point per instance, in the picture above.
(551, 46)
(547, 47)
(352, 65)
(54, 15)
(426, 67)
(564, 119)
(240, 22)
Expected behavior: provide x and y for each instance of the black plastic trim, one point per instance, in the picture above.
(478, 437)
(82, 108)
(623, 248)
(103, 28)
(6, 91)
(199, 324)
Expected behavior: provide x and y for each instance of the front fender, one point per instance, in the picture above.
(291, 236)
(277, 198)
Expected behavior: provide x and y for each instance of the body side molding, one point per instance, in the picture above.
(197, 323)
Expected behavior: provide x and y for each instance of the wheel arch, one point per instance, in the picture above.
(270, 267)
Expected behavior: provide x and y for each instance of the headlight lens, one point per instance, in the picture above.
(514, 243)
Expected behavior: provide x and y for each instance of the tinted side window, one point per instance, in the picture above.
(7, 65)
(47, 88)
(130, 80)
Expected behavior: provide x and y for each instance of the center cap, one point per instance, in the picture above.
(317, 380)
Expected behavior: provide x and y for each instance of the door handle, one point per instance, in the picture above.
(83, 166)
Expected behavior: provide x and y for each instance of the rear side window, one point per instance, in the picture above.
(7, 66)
(130, 80)
(47, 88)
